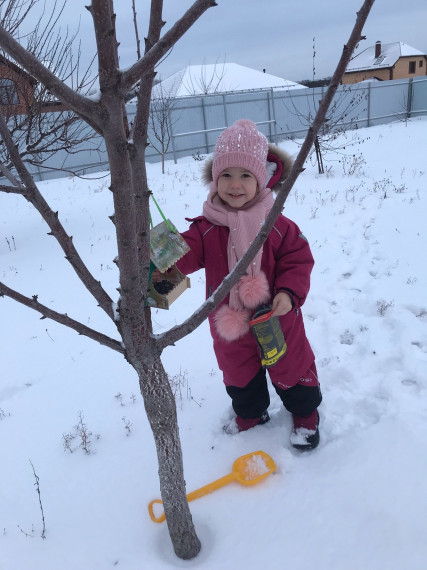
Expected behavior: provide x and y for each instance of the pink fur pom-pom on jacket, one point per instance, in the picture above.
(253, 291)
(286, 264)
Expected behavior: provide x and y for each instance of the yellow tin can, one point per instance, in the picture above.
(269, 335)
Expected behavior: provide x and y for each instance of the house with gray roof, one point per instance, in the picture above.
(383, 62)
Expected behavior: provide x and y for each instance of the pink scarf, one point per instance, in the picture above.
(253, 289)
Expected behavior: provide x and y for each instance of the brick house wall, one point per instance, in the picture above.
(16, 89)
(413, 66)
(404, 68)
(357, 76)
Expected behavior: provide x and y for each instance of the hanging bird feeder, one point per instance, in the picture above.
(166, 282)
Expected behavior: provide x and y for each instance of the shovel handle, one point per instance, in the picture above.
(153, 517)
(193, 495)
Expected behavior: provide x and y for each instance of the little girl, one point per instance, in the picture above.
(241, 176)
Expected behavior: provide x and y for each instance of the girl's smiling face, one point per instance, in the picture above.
(237, 186)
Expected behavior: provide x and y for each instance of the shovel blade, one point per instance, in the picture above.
(251, 468)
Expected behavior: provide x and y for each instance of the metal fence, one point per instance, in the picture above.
(280, 114)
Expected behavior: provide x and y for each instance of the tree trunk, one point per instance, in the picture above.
(160, 407)
(136, 331)
(319, 157)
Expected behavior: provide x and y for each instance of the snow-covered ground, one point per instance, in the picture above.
(358, 502)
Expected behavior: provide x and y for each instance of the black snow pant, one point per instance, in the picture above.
(253, 400)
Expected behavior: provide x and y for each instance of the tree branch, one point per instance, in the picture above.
(104, 20)
(81, 105)
(119, 150)
(176, 333)
(7, 174)
(161, 47)
(33, 195)
(135, 25)
(63, 319)
(140, 142)
(12, 189)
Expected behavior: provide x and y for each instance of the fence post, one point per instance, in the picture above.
(268, 113)
(224, 104)
(205, 126)
(37, 174)
(173, 149)
(322, 87)
(410, 98)
(273, 108)
(368, 122)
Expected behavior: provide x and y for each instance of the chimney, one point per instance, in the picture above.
(377, 49)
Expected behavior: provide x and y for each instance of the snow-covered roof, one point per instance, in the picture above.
(219, 78)
(389, 55)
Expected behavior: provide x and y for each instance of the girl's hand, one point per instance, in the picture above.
(282, 304)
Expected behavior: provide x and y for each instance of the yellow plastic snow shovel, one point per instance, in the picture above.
(247, 470)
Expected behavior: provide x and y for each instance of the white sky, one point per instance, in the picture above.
(271, 34)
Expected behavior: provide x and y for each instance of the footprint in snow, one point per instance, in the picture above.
(347, 337)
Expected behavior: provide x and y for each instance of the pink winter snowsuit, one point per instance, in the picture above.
(287, 262)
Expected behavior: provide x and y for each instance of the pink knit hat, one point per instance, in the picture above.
(242, 146)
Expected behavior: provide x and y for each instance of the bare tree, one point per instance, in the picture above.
(164, 103)
(340, 119)
(162, 118)
(130, 193)
(40, 125)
